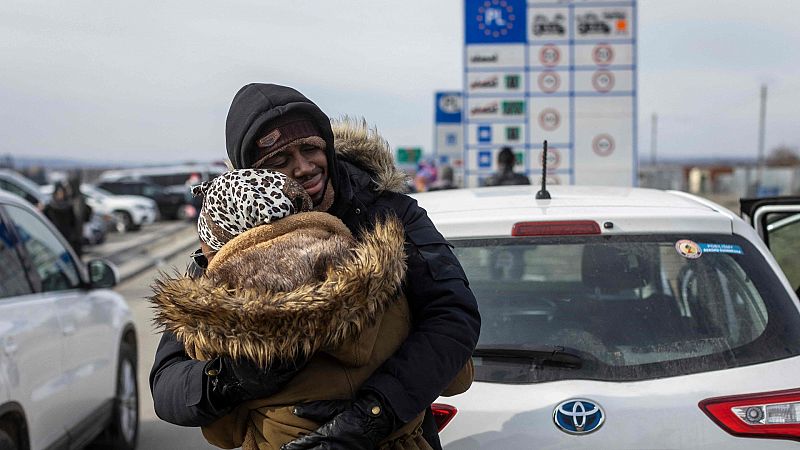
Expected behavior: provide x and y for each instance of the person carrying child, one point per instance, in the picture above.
(290, 288)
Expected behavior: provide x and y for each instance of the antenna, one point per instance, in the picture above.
(543, 194)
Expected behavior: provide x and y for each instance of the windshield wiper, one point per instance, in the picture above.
(546, 355)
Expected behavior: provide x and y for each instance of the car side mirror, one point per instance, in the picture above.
(102, 274)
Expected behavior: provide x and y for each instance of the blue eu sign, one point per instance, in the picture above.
(492, 21)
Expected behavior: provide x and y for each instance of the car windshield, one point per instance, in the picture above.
(632, 307)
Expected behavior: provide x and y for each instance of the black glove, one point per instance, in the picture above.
(234, 381)
(358, 424)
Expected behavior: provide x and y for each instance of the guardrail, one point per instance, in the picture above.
(142, 250)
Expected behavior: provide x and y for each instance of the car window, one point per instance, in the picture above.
(634, 307)
(783, 235)
(50, 258)
(149, 190)
(13, 280)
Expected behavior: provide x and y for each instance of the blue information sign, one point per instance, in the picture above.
(485, 134)
(448, 107)
(484, 159)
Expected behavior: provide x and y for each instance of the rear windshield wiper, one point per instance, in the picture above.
(547, 355)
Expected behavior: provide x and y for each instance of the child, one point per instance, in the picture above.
(288, 284)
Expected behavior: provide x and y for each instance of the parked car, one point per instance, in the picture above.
(94, 231)
(68, 344)
(131, 211)
(171, 204)
(18, 184)
(619, 318)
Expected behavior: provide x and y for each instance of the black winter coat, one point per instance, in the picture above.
(445, 319)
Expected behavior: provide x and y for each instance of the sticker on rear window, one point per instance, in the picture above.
(721, 248)
(688, 249)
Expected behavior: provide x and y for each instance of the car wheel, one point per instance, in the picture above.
(6, 443)
(124, 221)
(123, 430)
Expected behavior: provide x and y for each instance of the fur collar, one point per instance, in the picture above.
(357, 143)
(211, 319)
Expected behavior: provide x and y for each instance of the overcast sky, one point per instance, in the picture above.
(152, 81)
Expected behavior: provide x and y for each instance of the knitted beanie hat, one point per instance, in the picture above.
(284, 131)
(239, 200)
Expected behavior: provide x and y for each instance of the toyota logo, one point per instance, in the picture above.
(578, 416)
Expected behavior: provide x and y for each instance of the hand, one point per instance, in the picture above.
(235, 381)
(359, 424)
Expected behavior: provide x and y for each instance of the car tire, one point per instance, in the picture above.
(122, 432)
(6, 443)
(124, 221)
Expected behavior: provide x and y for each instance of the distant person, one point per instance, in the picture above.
(60, 211)
(445, 180)
(83, 212)
(505, 175)
(196, 200)
(426, 175)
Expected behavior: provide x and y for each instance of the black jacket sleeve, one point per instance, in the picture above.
(445, 317)
(179, 386)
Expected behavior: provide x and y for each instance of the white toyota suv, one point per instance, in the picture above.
(67, 342)
(620, 318)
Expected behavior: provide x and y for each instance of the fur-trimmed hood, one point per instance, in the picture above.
(213, 318)
(359, 144)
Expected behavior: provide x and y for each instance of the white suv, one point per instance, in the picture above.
(620, 318)
(67, 342)
(131, 211)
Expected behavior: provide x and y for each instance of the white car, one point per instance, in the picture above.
(94, 231)
(620, 318)
(67, 342)
(131, 211)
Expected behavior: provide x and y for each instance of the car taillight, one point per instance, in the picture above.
(770, 415)
(555, 228)
(443, 414)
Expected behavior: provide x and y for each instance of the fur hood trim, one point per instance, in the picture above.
(355, 142)
(214, 320)
(264, 235)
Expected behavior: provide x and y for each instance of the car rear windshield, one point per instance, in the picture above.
(625, 307)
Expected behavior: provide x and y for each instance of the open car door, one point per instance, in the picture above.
(777, 221)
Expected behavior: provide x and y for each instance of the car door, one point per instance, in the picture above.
(31, 340)
(84, 317)
(777, 221)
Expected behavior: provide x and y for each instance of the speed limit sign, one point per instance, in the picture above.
(603, 81)
(603, 55)
(549, 82)
(549, 119)
(549, 55)
(603, 144)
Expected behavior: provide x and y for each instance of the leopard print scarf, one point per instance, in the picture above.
(239, 200)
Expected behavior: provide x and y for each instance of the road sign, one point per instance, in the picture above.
(485, 159)
(560, 70)
(484, 134)
(408, 155)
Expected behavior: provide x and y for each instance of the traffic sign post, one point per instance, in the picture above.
(562, 71)
(449, 132)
